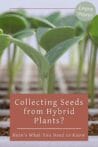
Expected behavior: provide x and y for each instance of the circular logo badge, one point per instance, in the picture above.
(85, 11)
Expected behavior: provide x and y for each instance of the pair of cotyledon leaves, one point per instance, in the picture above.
(54, 49)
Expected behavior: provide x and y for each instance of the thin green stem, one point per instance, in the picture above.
(49, 82)
(9, 71)
(38, 46)
(11, 64)
(72, 57)
(14, 54)
(90, 62)
(45, 85)
(91, 80)
(82, 54)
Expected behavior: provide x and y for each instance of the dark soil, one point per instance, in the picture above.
(93, 129)
(93, 117)
(4, 131)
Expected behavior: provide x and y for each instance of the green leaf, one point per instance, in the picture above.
(79, 29)
(93, 30)
(4, 42)
(55, 53)
(38, 58)
(38, 22)
(20, 12)
(69, 20)
(23, 34)
(12, 23)
(72, 21)
(55, 36)
(40, 32)
(1, 31)
(54, 17)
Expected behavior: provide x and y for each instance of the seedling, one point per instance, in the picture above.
(89, 31)
(93, 32)
(90, 34)
(19, 26)
(14, 25)
(54, 50)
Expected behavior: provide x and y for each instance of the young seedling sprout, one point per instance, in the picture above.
(20, 26)
(88, 34)
(93, 32)
(17, 26)
(56, 42)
